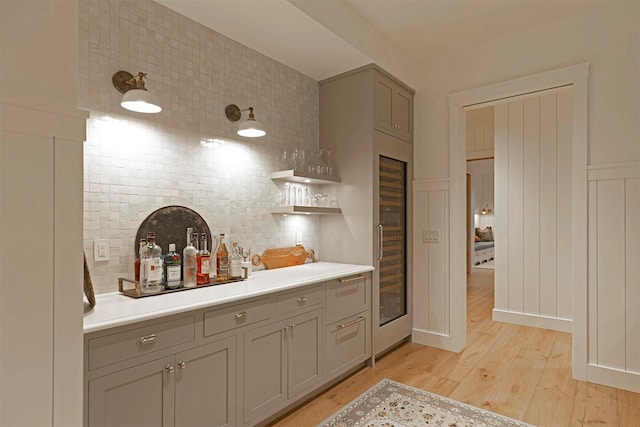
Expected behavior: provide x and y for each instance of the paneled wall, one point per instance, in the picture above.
(533, 143)
(431, 323)
(136, 163)
(614, 274)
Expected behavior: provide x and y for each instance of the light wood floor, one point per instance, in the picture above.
(517, 371)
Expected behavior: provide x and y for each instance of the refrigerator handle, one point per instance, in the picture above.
(380, 242)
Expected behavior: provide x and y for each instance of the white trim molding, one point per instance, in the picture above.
(536, 321)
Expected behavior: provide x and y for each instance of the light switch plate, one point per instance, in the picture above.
(101, 250)
(431, 236)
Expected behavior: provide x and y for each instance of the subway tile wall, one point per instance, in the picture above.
(136, 163)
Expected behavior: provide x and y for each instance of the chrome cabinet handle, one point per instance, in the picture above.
(302, 299)
(169, 369)
(286, 328)
(380, 242)
(149, 339)
(353, 322)
(241, 315)
(182, 364)
(351, 279)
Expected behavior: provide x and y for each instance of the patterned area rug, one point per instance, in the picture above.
(392, 404)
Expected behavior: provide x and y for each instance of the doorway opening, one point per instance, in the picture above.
(576, 78)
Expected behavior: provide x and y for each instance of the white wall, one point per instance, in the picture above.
(607, 37)
(41, 134)
(135, 163)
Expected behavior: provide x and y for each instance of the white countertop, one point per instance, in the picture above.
(115, 309)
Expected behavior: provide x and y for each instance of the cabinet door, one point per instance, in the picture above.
(135, 397)
(383, 104)
(403, 113)
(205, 385)
(264, 384)
(348, 343)
(305, 351)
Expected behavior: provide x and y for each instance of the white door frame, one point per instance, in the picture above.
(577, 76)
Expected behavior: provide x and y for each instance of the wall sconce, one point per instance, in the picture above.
(251, 127)
(136, 97)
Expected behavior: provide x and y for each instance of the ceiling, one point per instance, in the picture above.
(302, 35)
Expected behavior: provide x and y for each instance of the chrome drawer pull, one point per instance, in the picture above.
(353, 322)
(169, 369)
(241, 315)
(182, 364)
(149, 339)
(351, 279)
(302, 299)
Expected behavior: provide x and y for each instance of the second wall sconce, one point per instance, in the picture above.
(136, 97)
(251, 127)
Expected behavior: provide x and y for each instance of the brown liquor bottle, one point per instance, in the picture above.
(222, 261)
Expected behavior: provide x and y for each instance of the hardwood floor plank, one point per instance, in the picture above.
(517, 371)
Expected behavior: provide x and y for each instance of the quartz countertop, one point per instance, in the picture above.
(114, 309)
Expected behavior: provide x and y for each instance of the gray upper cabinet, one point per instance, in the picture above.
(365, 99)
(393, 108)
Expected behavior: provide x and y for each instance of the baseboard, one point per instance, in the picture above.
(552, 323)
(614, 378)
(433, 339)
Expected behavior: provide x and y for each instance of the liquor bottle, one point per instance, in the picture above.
(151, 266)
(136, 264)
(172, 268)
(189, 263)
(204, 262)
(235, 262)
(222, 261)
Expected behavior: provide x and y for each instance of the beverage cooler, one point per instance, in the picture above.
(391, 296)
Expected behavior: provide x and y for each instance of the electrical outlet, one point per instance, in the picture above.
(101, 250)
(298, 237)
(431, 236)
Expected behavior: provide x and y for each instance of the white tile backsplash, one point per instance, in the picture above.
(136, 163)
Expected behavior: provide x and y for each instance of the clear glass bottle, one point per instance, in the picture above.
(204, 262)
(189, 262)
(172, 268)
(136, 264)
(222, 261)
(151, 267)
(235, 262)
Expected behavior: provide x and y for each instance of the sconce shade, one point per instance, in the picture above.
(141, 101)
(251, 128)
(136, 97)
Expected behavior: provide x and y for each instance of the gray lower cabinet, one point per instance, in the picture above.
(192, 388)
(281, 360)
(232, 365)
(138, 396)
(205, 385)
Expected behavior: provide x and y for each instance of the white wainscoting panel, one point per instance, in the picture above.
(431, 315)
(614, 276)
(533, 157)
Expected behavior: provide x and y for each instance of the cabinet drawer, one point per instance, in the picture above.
(226, 319)
(348, 343)
(300, 299)
(346, 296)
(120, 346)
